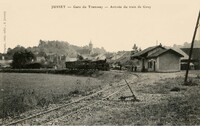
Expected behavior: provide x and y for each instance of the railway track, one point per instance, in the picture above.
(49, 117)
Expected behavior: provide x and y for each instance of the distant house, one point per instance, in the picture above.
(195, 59)
(71, 59)
(5, 62)
(100, 57)
(40, 58)
(158, 58)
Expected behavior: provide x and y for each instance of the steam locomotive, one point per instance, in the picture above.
(87, 64)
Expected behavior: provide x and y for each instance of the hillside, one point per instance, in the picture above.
(63, 48)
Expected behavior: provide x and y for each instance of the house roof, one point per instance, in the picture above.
(100, 57)
(123, 58)
(4, 62)
(157, 53)
(145, 51)
(87, 57)
(161, 52)
(185, 56)
(71, 59)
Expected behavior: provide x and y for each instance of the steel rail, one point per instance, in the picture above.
(57, 108)
(70, 103)
(89, 105)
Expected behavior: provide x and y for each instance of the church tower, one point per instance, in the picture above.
(90, 48)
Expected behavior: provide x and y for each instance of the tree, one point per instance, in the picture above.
(135, 49)
(41, 43)
(22, 58)
(18, 48)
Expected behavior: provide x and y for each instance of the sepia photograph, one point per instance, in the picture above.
(99, 62)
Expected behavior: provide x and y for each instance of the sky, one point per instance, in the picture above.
(167, 22)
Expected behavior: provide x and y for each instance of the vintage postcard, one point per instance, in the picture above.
(99, 62)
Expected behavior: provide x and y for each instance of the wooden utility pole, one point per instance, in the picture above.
(191, 48)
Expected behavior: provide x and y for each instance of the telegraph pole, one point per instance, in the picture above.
(4, 30)
(191, 48)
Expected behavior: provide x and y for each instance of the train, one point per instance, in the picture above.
(87, 65)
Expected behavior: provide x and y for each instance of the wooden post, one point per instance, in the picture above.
(192, 44)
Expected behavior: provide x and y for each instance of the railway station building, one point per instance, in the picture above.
(158, 59)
